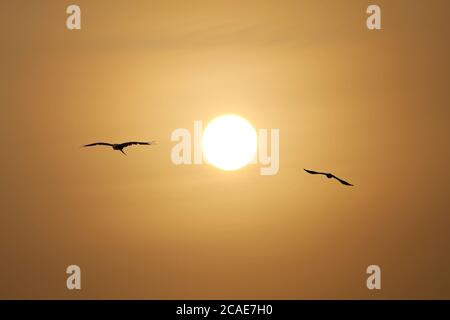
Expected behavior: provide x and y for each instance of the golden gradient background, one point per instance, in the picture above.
(371, 106)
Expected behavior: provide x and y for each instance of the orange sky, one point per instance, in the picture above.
(370, 106)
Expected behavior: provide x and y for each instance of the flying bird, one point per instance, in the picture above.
(119, 146)
(329, 176)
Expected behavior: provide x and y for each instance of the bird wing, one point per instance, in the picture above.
(313, 172)
(98, 144)
(342, 181)
(130, 143)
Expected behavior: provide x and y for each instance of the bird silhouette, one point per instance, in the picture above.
(329, 176)
(119, 146)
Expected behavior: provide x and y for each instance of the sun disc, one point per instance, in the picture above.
(229, 142)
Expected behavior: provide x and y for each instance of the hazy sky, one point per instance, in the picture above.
(370, 106)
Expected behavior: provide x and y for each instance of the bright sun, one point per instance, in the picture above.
(229, 142)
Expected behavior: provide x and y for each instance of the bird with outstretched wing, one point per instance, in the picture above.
(329, 176)
(120, 146)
